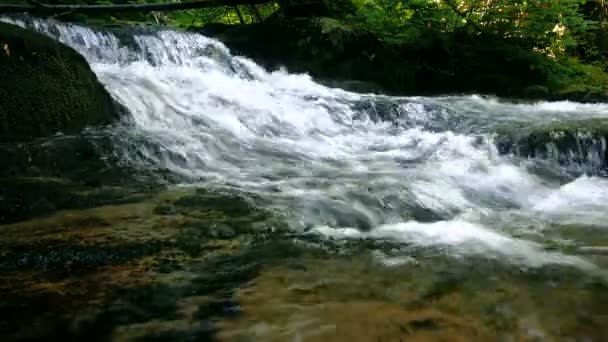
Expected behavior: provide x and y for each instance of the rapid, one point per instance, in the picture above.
(293, 211)
(419, 170)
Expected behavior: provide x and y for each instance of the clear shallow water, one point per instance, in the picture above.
(421, 171)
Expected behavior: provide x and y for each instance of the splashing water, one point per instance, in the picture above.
(420, 171)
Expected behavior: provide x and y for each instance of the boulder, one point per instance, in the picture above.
(579, 143)
(46, 87)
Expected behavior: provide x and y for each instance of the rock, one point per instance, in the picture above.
(165, 209)
(596, 96)
(46, 87)
(582, 143)
(574, 93)
(222, 231)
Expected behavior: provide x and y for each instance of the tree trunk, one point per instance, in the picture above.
(256, 13)
(238, 12)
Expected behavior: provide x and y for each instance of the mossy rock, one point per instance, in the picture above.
(596, 96)
(46, 87)
(572, 93)
(578, 142)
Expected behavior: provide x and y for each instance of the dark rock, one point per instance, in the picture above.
(230, 205)
(577, 143)
(22, 198)
(190, 241)
(222, 231)
(596, 96)
(576, 93)
(46, 87)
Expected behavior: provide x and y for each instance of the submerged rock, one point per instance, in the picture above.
(46, 87)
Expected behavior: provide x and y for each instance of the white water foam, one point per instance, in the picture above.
(327, 158)
(461, 238)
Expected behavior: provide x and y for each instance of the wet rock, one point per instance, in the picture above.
(222, 231)
(445, 283)
(23, 198)
(225, 204)
(224, 307)
(580, 144)
(165, 209)
(576, 93)
(596, 96)
(169, 265)
(191, 241)
(46, 87)
(49, 256)
(420, 324)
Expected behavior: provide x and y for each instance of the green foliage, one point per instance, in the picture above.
(547, 25)
(184, 18)
(224, 15)
(570, 73)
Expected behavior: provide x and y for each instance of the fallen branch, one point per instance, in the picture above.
(39, 8)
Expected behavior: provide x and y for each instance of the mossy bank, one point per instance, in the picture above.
(46, 87)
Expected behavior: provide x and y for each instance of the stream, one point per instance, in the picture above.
(382, 218)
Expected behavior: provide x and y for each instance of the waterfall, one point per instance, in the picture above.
(423, 171)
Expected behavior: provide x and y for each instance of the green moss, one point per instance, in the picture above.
(46, 87)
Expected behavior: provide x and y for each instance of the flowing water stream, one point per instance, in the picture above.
(415, 180)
